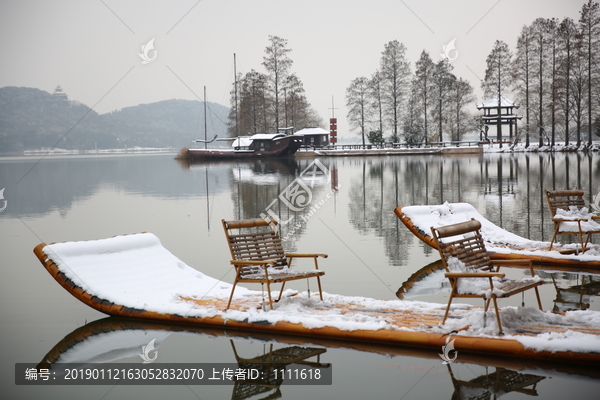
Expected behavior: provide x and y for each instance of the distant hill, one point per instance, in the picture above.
(32, 119)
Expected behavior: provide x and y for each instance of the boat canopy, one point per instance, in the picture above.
(242, 141)
(245, 141)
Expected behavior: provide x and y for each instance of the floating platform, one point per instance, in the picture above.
(500, 243)
(134, 276)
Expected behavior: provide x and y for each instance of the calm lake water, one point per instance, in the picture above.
(350, 218)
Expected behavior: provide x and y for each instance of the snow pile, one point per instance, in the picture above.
(574, 214)
(477, 286)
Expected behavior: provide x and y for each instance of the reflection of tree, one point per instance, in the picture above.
(58, 182)
(508, 189)
(260, 185)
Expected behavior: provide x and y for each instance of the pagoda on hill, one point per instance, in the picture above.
(498, 111)
(58, 92)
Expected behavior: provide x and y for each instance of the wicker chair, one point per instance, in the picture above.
(581, 225)
(462, 244)
(258, 256)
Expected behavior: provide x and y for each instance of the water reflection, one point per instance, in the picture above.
(574, 290)
(271, 367)
(507, 188)
(112, 339)
(494, 384)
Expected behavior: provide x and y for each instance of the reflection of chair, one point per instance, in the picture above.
(270, 368)
(258, 256)
(497, 383)
(467, 263)
(568, 216)
(577, 297)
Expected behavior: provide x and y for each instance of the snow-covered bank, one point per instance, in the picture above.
(521, 148)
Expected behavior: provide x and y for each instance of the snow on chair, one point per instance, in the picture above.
(470, 270)
(571, 216)
(258, 256)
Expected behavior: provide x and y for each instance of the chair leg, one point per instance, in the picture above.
(587, 240)
(269, 293)
(281, 291)
(497, 315)
(448, 306)
(556, 226)
(319, 284)
(537, 294)
(580, 237)
(231, 295)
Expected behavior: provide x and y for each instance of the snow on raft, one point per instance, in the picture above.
(134, 276)
(498, 241)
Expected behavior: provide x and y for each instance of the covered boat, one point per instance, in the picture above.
(259, 145)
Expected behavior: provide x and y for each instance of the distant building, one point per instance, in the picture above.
(58, 92)
(498, 111)
(313, 137)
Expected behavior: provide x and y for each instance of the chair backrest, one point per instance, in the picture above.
(465, 244)
(254, 239)
(564, 199)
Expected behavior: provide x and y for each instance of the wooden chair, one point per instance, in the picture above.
(582, 226)
(258, 256)
(463, 241)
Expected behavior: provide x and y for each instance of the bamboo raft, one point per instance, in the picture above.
(389, 322)
(419, 219)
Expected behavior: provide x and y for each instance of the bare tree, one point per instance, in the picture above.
(295, 101)
(395, 73)
(357, 103)
(460, 95)
(277, 63)
(414, 132)
(442, 83)
(253, 105)
(522, 75)
(578, 83)
(567, 37)
(552, 27)
(423, 88)
(376, 99)
(589, 24)
(498, 76)
(542, 70)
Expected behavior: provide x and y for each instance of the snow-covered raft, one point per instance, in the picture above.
(134, 276)
(500, 243)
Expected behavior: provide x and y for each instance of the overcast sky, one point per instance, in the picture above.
(90, 47)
